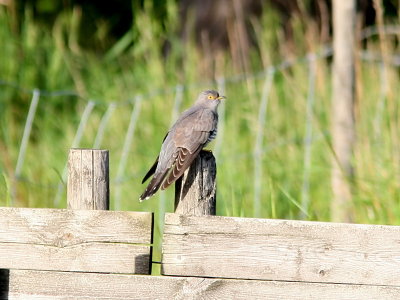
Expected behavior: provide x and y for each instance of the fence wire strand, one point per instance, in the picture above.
(258, 153)
(308, 137)
(27, 131)
(177, 103)
(103, 124)
(125, 149)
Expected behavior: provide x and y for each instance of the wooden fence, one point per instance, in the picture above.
(98, 254)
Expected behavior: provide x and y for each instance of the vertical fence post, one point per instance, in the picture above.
(343, 123)
(195, 191)
(75, 143)
(88, 179)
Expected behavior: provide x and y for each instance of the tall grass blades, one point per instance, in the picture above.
(274, 151)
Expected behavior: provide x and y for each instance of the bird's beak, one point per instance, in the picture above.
(221, 97)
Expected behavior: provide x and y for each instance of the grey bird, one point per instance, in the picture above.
(193, 130)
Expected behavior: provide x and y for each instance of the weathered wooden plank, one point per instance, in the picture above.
(246, 248)
(75, 240)
(62, 227)
(88, 184)
(91, 257)
(68, 285)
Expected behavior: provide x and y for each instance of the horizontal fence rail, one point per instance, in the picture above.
(98, 254)
(47, 285)
(75, 240)
(213, 246)
(285, 259)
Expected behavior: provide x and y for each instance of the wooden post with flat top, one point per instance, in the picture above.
(195, 191)
(88, 179)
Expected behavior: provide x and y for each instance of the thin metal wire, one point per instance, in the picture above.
(75, 143)
(125, 150)
(377, 123)
(24, 141)
(177, 103)
(376, 57)
(374, 30)
(324, 52)
(257, 155)
(42, 92)
(103, 124)
(27, 131)
(308, 137)
(81, 128)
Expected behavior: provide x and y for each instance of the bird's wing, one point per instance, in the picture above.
(153, 167)
(181, 146)
(190, 136)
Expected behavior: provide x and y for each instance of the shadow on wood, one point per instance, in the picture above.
(195, 191)
(4, 283)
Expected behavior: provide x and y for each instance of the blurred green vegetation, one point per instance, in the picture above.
(53, 59)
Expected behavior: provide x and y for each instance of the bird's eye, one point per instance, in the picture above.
(210, 97)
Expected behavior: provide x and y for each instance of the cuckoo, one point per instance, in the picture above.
(193, 130)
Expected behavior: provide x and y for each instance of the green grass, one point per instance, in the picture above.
(52, 61)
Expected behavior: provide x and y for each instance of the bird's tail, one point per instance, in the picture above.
(153, 186)
(151, 171)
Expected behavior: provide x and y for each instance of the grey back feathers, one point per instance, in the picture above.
(190, 133)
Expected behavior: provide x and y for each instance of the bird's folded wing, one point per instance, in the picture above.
(194, 130)
(185, 157)
(191, 133)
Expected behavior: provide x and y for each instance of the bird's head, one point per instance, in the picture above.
(210, 97)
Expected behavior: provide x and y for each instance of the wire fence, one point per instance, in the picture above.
(135, 104)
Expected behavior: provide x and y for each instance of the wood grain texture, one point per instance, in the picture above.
(75, 240)
(195, 191)
(212, 246)
(88, 179)
(69, 285)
